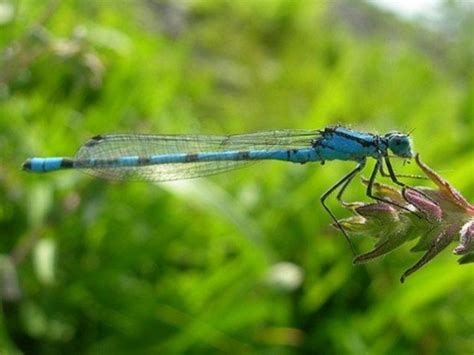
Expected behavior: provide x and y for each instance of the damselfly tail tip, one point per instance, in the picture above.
(26, 165)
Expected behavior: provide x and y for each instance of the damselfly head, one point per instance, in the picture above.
(400, 144)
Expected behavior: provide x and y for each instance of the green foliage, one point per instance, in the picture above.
(196, 266)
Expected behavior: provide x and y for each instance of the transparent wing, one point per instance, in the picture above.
(119, 145)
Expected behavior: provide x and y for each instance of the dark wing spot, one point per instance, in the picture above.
(93, 141)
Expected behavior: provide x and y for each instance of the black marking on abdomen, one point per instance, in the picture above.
(244, 155)
(67, 163)
(143, 161)
(189, 158)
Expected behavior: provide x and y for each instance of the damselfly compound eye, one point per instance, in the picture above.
(400, 144)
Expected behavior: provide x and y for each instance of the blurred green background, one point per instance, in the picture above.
(241, 262)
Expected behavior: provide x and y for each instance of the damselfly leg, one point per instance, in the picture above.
(371, 184)
(394, 177)
(343, 182)
(402, 176)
